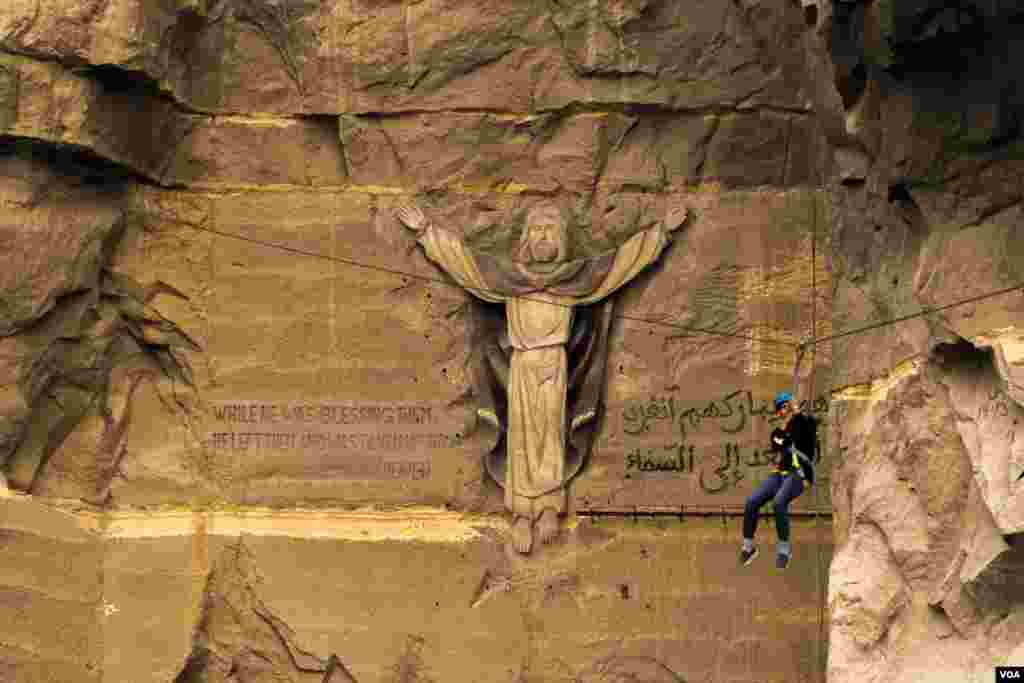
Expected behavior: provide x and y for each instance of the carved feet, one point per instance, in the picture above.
(547, 525)
(522, 535)
(523, 530)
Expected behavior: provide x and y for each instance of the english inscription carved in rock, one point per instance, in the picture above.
(361, 440)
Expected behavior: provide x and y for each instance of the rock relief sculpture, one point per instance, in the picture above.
(540, 371)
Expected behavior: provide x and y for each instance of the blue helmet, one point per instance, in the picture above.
(783, 397)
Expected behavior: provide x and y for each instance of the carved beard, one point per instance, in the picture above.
(541, 258)
(544, 252)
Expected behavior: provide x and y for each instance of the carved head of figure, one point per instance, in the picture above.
(545, 237)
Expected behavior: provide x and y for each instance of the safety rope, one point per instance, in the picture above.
(801, 349)
(1019, 287)
(448, 283)
(819, 578)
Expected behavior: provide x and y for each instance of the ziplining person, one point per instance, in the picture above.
(794, 448)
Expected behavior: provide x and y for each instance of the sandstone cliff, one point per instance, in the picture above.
(198, 201)
(926, 581)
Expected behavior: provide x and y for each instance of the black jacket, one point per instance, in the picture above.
(800, 431)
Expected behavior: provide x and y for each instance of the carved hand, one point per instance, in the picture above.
(676, 217)
(412, 217)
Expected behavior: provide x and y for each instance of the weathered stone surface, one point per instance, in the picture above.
(988, 423)
(80, 368)
(55, 228)
(155, 588)
(236, 636)
(304, 124)
(204, 593)
(923, 461)
(51, 595)
(519, 57)
(267, 335)
(57, 225)
(660, 151)
(44, 101)
(78, 337)
(243, 152)
(577, 153)
(252, 54)
(481, 151)
(871, 590)
(759, 150)
(731, 275)
(331, 57)
(91, 31)
(126, 121)
(927, 216)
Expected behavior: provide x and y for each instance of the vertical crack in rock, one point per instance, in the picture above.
(239, 639)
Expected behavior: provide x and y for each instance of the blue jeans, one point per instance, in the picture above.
(781, 489)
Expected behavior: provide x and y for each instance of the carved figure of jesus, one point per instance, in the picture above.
(540, 288)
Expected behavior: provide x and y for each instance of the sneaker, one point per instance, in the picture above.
(781, 561)
(747, 556)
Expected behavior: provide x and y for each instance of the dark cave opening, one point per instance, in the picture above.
(944, 39)
(69, 160)
(115, 79)
(962, 352)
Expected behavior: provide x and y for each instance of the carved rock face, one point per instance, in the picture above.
(545, 242)
(545, 239)
(545, 245)
(301, 122)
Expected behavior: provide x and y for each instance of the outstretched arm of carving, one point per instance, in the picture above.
(447, 250)
(638, 252)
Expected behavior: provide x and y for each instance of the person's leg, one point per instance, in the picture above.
(792, 486)
(764, 492)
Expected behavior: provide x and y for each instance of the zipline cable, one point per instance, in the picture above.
(923, 312)
(660, 323)
(800, 349)
(415, 276)
(820, 576)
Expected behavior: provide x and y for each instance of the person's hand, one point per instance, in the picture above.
(412, 217)
(676, 217)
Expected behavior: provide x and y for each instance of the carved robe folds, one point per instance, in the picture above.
(539, 330)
